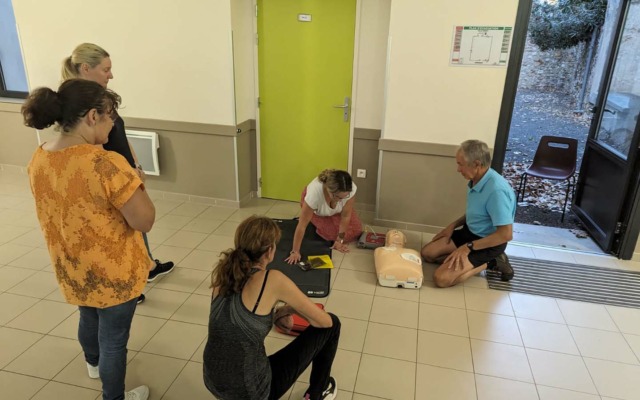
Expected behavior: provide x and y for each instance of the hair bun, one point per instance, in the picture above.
(42, 108)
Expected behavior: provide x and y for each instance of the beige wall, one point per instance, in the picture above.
(18, 141)
(171, 60)
(365, 156)
(195, 163)
(247, 161)
(427, 99)
(242, 18)
(431, 107)
(371, 60)
(419, 186)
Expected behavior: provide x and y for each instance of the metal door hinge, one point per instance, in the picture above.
(256, 39)
(260, 182)
(620, 228)
(258, 102)
(256, 10)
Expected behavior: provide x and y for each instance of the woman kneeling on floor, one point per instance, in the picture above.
(245, 293)
(327, 202)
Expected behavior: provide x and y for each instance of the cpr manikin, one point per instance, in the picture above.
(397, 266)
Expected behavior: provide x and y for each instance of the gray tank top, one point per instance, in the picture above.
(235, 360)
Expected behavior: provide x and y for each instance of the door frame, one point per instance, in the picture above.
(632, 218)
(623, 247)
(354, 94)
(518, 42)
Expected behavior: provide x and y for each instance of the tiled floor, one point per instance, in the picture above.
(466, 342)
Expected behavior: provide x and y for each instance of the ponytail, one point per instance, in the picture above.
(69, 69)
(254, 238)
(42, 108)
(232, 272)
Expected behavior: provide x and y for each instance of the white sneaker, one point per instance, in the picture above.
(94, 373)
(330, 393)
(139, 393)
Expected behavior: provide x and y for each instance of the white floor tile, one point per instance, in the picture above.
(547, 336)
(615, 379)
(491, 388)
(501, 360)
(560, 370)
(586, 315)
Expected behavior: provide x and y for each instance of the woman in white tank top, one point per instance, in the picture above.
(327, 202)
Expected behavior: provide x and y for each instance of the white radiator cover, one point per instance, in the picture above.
(146, 145)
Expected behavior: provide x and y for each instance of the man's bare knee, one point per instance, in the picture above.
(442, 280)
(428, 254)
(441, 283)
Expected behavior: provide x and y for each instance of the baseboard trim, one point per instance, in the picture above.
(211, 201)
(15, 169)
(180, 126)
(247, 198)
(367, 134)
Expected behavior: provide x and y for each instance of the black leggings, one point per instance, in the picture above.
(317, 345)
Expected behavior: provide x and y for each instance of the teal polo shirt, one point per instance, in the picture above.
(490, 203)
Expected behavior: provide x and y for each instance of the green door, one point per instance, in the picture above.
(305, 61)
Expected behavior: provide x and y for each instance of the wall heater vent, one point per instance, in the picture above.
(146, 145)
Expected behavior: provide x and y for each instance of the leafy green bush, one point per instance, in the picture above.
(565, 23)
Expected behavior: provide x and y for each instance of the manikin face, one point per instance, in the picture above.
(101, 73)
(468, 171)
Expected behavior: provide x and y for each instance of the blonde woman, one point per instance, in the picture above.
(91, 62)
(327, 202)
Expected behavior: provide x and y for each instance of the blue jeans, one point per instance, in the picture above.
(146, 244)
(103, 334)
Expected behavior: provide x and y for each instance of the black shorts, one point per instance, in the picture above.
(477, 257)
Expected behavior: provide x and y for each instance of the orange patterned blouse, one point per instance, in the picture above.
(99, 260)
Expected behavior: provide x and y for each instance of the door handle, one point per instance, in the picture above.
(345, 107)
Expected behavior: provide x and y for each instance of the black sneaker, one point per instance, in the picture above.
(502, 265)
(159, 270)
(330, 392)
(141, 299)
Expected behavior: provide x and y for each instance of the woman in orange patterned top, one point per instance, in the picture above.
(92, 208)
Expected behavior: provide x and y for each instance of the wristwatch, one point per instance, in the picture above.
(470, 245)
(341, 237)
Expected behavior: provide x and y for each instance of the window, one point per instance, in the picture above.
(13, 80)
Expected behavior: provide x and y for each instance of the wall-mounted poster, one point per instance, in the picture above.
(481, 45)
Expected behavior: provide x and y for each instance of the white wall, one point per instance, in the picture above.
(372, 58)
(171, 60)
(242, 16)
(427, 99)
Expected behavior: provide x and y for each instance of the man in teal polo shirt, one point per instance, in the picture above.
(486, 227)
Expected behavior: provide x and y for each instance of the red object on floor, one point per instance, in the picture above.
(299, 324)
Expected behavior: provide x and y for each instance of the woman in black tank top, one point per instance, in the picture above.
(245, 293)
